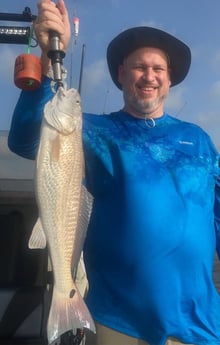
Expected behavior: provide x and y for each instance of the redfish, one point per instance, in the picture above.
(64, 209)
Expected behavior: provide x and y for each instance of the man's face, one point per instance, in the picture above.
(145, 79)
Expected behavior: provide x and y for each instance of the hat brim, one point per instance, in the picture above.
(130, 40)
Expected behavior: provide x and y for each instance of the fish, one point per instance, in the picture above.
(64, 206)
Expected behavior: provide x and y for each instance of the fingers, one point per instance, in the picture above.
(64, 13)
(62, 7)
(52, 16)
(65, 37)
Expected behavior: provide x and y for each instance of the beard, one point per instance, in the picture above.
(142, 107)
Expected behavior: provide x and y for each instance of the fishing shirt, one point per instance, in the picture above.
(155, 222)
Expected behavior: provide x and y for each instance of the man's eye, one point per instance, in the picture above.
(139, 67)
(159, 68)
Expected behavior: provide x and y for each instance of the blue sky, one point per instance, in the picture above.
(196, 22)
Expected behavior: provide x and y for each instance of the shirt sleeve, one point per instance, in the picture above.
(24, 132)
(217, 212)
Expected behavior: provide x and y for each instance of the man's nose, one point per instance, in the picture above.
(148, 73)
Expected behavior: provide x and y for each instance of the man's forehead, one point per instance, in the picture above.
(143, 52)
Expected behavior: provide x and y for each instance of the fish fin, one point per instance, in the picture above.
(81, 280)
(67, 313)
(38, 238)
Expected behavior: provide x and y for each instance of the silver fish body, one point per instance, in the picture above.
(64, 208)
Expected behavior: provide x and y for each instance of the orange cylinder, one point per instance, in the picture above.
(27, 72)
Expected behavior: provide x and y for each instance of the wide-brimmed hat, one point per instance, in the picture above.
(128, 41)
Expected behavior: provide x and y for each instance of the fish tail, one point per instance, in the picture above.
(67, 313)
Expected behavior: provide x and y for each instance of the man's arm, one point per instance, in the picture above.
(217, 214)
(24, 133)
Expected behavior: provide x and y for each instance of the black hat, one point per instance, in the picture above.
(128, 41)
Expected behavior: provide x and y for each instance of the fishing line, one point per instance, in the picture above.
(74, 36)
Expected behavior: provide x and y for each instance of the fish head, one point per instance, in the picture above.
(64, 112)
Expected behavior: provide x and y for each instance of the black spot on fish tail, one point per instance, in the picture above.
(72, 293)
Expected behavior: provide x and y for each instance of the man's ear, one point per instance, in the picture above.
(169, 71)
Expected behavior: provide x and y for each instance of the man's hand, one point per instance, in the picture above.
(51, 16)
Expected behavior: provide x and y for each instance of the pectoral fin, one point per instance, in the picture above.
(38, 238)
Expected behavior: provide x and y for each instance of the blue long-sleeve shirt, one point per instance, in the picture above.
(155, 222)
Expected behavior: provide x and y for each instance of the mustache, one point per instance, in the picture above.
(147, 85)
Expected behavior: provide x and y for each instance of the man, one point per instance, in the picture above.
(155, 180)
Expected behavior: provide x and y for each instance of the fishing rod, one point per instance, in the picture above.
(81, 69)
(56, 55)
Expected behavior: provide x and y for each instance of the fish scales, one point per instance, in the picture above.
(64, 208)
